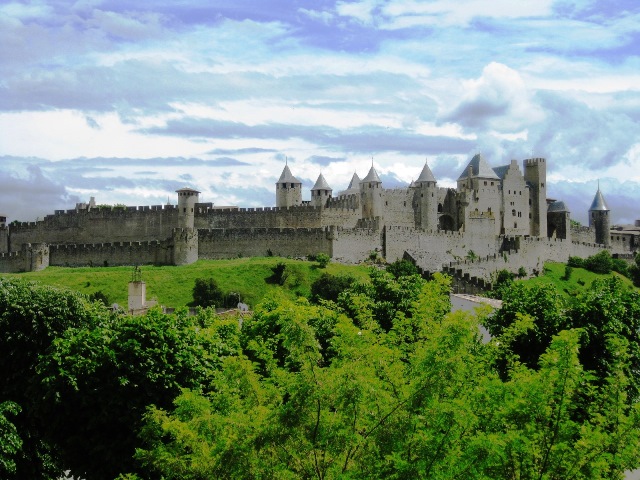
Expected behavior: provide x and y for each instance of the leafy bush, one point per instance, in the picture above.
(402, 268)
(568, 270)
(576, 262)
(600, 262)
(206, 293)
(279, 274)
(323, 260)
(328, 287)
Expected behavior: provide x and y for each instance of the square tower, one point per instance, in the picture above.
(535, 174)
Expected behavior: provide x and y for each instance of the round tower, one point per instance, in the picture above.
(288, 189)
(187, 199)
(599, 219)
(427, 200)
(321, 192)
(371, 195)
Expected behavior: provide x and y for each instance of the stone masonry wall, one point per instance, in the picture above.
(30, 258)
(292, 217)
(97, 226)
(355, 245)
(247, 242)
(111, 254)
(398, 207)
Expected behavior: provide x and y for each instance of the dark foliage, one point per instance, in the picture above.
(328, 287)
(206, 293)
(402, 268)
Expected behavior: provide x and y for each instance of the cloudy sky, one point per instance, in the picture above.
(128, 101)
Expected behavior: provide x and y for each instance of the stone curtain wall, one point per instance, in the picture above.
(111, 254)
(30, 258)
(223, 243)
(292, 217)
(355, 245)
(398, 207)
(98, 225)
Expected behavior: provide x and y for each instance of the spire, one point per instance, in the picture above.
(372, 176)
(287, 176)
(479, 168)
(598, 201)
(425, 175)
(321, 184)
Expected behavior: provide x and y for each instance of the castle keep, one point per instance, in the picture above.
(495, 218)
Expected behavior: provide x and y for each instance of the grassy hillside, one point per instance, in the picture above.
(173, 286)
(579, 280)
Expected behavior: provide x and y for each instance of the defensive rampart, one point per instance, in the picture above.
(30, 258)
(111, 254)
(251, 242)
(283, 217)
(354, 245)
(98, 225)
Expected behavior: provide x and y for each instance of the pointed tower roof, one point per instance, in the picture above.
(355, 181)
(321, 184)
(598, 202)
(287, 176)
(558, 206)
(372, 176)
(425, 175)
(354, 186)
(479, 169)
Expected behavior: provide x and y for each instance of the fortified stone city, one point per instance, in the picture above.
(496, 218)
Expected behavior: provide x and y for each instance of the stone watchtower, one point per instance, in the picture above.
(185, 237)
(321, 192)
(4, 235)
(559, 221)
(187, 199)
(599, 219)
(535, 174)
(288, 190)
(426, 193)
(371, 195)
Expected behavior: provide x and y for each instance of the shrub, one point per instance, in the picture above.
(576, 262)
(568, 270)
(402, 268)
(328, 287)
(323, 260)
(600, 262)
(206, 293)
(279, 274)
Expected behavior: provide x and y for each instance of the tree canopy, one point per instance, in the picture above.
(381, 381)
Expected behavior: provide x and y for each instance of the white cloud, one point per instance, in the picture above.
(498, 100)
(403, 14)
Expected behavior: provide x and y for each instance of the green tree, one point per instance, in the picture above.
(206, 293)
(98, 382)
(600, 262)
(329, 287)
(322, 260)
(548, 313)
(32, 316)
(608, 309)
(401, 268)
(10, 441)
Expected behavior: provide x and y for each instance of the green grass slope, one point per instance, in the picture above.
(172, 286)
(579, 280)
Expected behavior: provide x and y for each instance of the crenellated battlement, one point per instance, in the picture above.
(534, 161)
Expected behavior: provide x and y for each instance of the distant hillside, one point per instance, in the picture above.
(173, 285)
